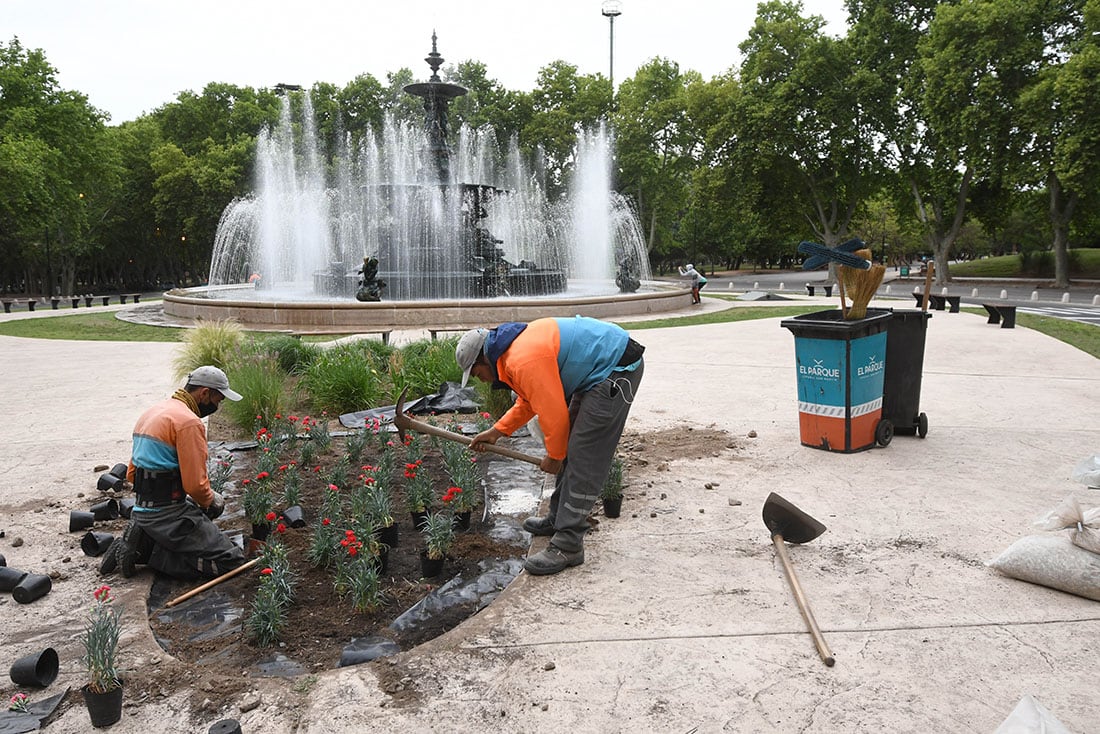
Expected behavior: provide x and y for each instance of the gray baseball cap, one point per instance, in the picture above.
(212, 377)
(469, 346)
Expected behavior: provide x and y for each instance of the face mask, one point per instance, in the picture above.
(206, 409)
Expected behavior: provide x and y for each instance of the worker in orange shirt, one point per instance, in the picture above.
(579, 376)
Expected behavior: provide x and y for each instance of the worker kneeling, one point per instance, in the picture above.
(171, 528)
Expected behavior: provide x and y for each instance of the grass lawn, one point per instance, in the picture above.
(89, 327)
(1009, 266)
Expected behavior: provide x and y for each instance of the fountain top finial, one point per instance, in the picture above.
(434, 60)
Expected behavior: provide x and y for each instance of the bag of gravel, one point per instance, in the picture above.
(1054, 561)
(1084, 527)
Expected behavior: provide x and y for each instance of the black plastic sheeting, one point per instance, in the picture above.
(474, 593)
(451, 398)
(215, 615)
(17, 722)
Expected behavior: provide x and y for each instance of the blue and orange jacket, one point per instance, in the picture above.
(168, 436)
(545, 363)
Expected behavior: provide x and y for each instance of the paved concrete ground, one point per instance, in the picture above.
(681, 619)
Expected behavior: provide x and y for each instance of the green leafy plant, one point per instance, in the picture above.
(613, 487)
(273, 596)
(418, 488)
(322, 543)
(262, 385)
(212, 342)
(364, 586)
(355, 444)
(101, 642)
(292, 484)
(293, 355)
(257, 499)
(423, 365)
(220, 468)
(349, 377)
(439, 534)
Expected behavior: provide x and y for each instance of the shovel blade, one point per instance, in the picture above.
(783, 518)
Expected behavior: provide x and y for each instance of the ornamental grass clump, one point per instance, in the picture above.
(613, 487)
(262, 385)
(212, 342)
(439, 534)
(267, 619)
(101, 642)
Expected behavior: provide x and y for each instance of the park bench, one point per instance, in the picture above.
(828, 289)
(9, 302)
(1001, 313)
(939, 303)
(124, 296)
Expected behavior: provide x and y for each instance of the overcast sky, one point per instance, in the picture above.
(132, 56)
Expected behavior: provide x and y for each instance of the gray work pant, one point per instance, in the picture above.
(597, 419)
(187, 545)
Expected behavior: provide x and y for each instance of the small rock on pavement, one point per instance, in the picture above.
(545, 707)
(549, 666)
(100, 467)
(734, 503)
(249, 703)
(16, 542)
(752, 434)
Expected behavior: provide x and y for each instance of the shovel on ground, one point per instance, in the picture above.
(407, 423)
(788, 524)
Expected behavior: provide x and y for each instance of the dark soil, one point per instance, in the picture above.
(320, 624)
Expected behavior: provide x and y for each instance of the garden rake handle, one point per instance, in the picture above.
(421, 427)
(213, 582)
(803, 606)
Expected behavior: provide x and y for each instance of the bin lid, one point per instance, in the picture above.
(832, 325)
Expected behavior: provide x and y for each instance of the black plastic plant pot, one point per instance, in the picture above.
(104, 709)
(294, 517)
(108, 481)
(105, 510)
(125, 507)
(3, 561)
(119, 470)
(430, 567)
(33, 586)
(388, 535)
(95, 543)
(38, 669)
(612, 506)
(260, 531)
(462, 520)
(419, 519)
(80, 520)
(10, 578)
(225, 726)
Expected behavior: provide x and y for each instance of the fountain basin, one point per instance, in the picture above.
(217, 303)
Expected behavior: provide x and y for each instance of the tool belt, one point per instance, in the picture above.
(158, 488)
(631, 354)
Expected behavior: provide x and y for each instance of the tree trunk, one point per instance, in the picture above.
(1061, 212)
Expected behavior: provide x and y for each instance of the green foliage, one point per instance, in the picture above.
(439, 534)
(418, 488)
(274, 595)
(214, 343)
(101, 634)
(293, 355)
(423, 366)
(364, 586)
(219, 471)
(257, 500)
(613, 487)
(262, 385)
(349, 377)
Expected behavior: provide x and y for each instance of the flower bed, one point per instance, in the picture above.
(314, 592)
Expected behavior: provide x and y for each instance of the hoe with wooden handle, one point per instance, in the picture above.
(407, 423)
(788, 524)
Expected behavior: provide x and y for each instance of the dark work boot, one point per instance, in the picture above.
(538, 525)
(109, 562)
(552, 560)
(131, 548)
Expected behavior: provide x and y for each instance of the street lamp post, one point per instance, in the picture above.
(611, 9)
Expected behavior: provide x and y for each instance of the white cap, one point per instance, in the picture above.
(469, 346)
(212, 377)
(689, 267)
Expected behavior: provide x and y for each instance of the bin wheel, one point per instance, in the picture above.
(884, 433)
(922, 425)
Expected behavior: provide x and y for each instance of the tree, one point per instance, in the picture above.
(656, 145)
(54, 157)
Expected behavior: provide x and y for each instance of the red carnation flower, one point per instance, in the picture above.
(270, 516)
(266, 572)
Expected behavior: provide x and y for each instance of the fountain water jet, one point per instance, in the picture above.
(404, 220)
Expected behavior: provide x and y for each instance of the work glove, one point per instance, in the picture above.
(216, 507)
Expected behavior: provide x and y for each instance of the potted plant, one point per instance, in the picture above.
(258, 505)
(418, 493)
(103, 691)
(439, 534)
(612, 492)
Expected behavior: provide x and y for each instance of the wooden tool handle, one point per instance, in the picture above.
(421, 427)
(212, 583)
(800, 598)
(929, 270)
